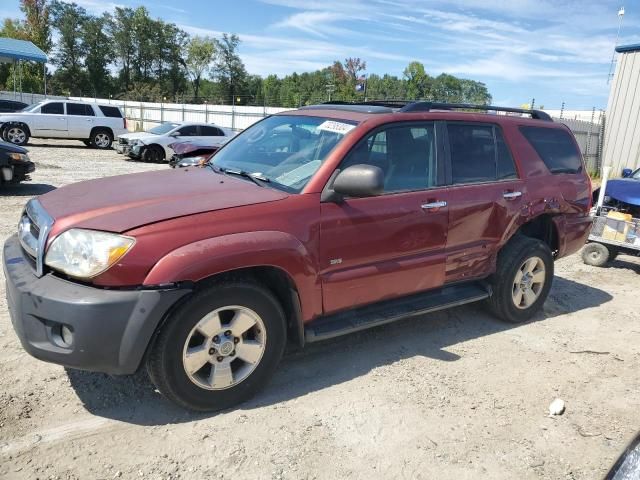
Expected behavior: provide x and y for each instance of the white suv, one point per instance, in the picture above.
(153, 146)
(96, 125)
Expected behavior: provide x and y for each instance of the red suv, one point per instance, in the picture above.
(310, 224)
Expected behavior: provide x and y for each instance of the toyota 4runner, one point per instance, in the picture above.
(310, 224)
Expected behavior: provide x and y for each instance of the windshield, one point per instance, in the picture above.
(32, 107)
(285, 149)
(636, 175)
(164, 128)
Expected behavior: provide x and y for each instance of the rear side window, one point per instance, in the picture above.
(506, 169)
(188, 131)
(55, 108)
(555, 147)
(110, 111)
(211, 132)
(79, 109)
(478, 154)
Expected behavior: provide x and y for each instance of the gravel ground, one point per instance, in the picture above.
(450, 395)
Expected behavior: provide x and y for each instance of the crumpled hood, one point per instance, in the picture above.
(121, 203)
(136, 135)
(625, 190)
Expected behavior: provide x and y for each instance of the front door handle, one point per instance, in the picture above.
(511, 195)
(433, 205)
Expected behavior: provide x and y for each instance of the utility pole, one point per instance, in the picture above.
(613, 55)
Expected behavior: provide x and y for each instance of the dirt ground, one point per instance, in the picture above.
(453, 395)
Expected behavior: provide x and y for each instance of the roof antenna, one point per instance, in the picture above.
(613, 55)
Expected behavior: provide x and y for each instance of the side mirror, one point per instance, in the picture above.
(626, 172)
(174, 134)
(359, 181)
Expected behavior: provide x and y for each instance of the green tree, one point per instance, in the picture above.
(229, 69)
(200, 53)
(121, 31)
(418, 82)
(69, 20)
(99, 50)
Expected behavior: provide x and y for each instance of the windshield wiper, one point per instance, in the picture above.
(256, 178)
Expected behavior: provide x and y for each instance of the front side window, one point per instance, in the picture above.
(55, 108)
(285, 149)
(555, 147)
(406, 154)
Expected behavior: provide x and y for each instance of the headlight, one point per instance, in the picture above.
(19, 157)
(86, 253)
(135, 143)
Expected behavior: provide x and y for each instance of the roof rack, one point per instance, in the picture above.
(406, 106)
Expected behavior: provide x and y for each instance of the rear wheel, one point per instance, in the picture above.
(522, 280)
(153, 154)
(101, 138)
(597, 254)
(16, 134)
(220, 347)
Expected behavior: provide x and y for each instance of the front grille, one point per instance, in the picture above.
(33, 230)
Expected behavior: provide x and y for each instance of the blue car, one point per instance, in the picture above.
(623, 194)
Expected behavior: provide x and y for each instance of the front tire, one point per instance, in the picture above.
(522, 281)
(220, 347)
(153, 154)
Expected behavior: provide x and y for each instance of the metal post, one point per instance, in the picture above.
(533, 103)
(15, 92)
(593, 114)
(562, 110)
(44, 74)
(206, 111)
(233, 111)
(183, 109)
(141, 117)
(20, 76)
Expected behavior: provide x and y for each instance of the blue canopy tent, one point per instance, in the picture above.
(15, 51)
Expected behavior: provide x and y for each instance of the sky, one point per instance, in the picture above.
(552, 51)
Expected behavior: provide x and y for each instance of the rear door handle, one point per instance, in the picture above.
(433, 205)
(511, 195)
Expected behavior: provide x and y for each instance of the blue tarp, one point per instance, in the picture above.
(12, 49)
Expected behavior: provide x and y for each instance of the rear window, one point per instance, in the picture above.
(555, 147)
(110, 111)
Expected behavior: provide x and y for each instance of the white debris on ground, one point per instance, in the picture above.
(557, 407)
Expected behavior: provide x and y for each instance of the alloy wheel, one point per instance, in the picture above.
(16, 135)
(528, 282)
(224, 347)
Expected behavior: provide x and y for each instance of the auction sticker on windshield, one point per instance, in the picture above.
(336, 127)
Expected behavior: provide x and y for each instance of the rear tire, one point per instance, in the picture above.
(597, 254)
(522, 281)
(101, 139)
(191, 362)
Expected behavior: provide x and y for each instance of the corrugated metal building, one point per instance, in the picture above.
(622, 124)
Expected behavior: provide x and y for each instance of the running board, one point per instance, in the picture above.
(361, 318)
